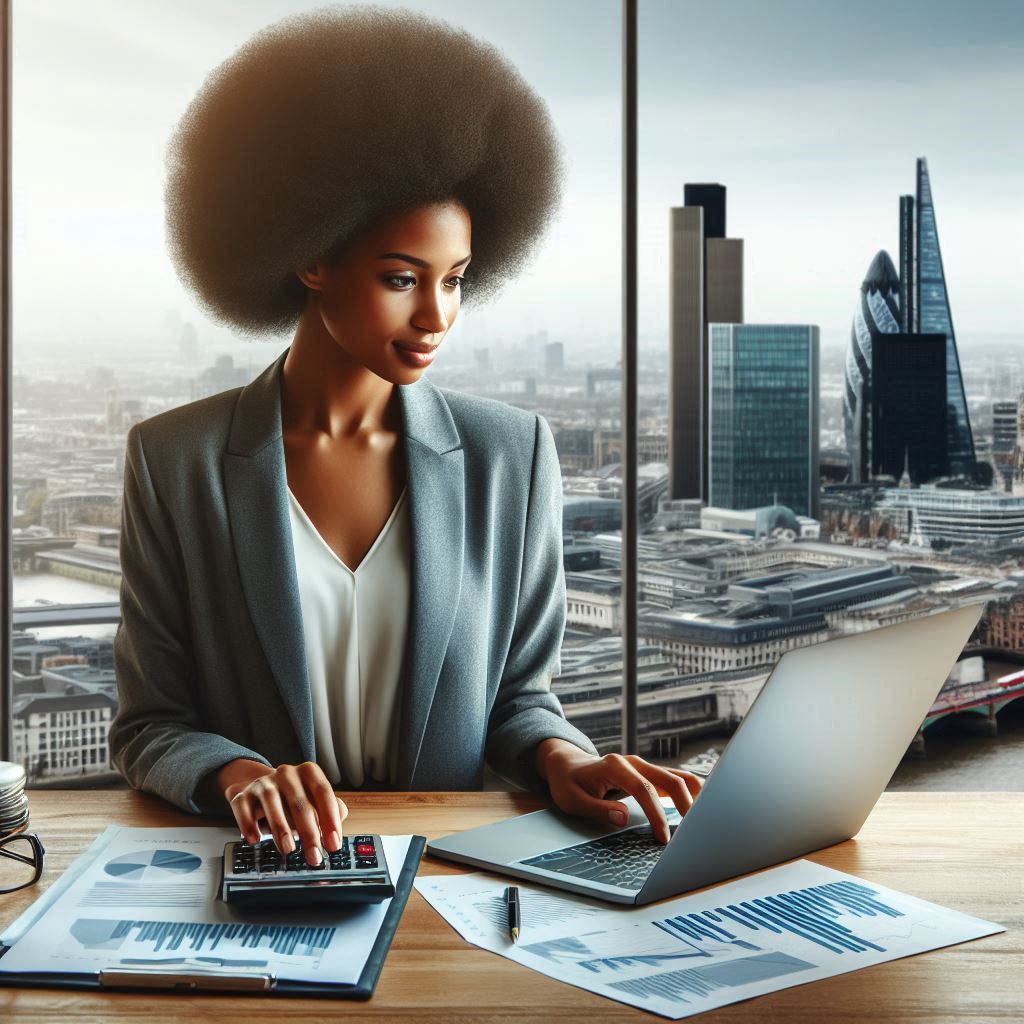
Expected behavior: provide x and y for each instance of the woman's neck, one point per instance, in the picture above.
(325, 391)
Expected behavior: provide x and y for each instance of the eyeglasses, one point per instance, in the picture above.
(21, 861)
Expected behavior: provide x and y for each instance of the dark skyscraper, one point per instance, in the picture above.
(712, 199)
(908, 406)
(933, 316)
(706, 271)
(908, 268)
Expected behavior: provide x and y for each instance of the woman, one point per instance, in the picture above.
(341, 575)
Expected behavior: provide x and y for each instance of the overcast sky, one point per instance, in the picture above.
(812, 113)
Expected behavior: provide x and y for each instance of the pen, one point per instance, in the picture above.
(512, 905)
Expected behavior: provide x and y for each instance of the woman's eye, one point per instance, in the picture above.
(404, 282)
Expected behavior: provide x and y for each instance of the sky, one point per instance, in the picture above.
(811, 113)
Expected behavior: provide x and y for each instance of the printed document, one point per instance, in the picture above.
(147, 898)
(781, 927)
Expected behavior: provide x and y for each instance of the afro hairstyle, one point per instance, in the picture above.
(329, 120)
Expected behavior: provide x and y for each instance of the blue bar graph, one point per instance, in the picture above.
(703, 981)
(284, 940)
(811, 914)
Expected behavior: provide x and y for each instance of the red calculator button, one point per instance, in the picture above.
(364, 850)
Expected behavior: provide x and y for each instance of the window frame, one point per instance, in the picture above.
(6, 407)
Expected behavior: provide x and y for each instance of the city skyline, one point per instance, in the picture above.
(787, 136)
(793, 123)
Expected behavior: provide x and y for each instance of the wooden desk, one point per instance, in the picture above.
(962, 850)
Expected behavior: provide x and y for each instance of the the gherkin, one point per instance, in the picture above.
(877, 313)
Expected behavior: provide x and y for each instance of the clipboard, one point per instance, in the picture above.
(127, 979)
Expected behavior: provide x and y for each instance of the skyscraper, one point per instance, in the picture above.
(706, 286)
(877, 313)
(554, 357)
(686, 356)
(908, 267)
(908, 406)
(929, 310)
(764, 417)
(1004, 439)
(1017, 485)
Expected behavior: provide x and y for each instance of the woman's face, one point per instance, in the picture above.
(393, 295)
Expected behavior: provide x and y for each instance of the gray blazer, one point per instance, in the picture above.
(210, 656)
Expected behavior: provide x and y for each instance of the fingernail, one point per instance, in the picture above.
(618, 817)
(333, 842)
(316, 855)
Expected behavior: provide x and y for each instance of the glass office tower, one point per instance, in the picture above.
(932, 316)
(764, 417)
(877, 313)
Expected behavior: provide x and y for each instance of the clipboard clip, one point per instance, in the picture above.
(141, 977)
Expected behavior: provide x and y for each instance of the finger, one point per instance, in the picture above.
(273, 810)
(325, 804)
(303, 814)
(673, 785)
(694, 783)
(626, 776)
(244, 810)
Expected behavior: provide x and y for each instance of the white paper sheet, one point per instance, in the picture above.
(783, 927)
(148, 899)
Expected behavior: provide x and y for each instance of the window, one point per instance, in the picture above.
(764, 293)
(781, 156)
(549, 343)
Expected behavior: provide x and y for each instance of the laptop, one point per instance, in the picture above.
(802, 772)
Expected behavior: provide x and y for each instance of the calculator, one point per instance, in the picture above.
(257, 875)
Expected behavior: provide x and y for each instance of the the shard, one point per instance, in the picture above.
(933, 316)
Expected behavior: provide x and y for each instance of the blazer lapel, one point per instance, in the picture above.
(436, 483)
(255, 482)
(256, 485)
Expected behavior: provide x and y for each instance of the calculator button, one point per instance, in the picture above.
(360, 840)
(365, 850)
(366, 862)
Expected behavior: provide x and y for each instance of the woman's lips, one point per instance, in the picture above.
(416, 357)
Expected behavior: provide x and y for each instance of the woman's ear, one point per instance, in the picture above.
(312, 276)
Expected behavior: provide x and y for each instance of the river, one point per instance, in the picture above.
(954, 759)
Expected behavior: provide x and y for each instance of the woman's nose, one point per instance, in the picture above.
(431, 314)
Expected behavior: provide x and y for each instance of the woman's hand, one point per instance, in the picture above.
(290, 798)
(579, 783)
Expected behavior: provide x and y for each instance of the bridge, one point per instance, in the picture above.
(983, 699)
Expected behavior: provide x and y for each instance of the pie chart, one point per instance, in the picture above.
(153, 866)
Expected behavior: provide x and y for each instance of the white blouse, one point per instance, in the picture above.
(354, 624)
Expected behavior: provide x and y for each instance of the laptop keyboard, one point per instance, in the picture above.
(623, 858)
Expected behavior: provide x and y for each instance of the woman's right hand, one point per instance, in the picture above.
(289, 798)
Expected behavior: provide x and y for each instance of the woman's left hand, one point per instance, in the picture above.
(580, 782)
